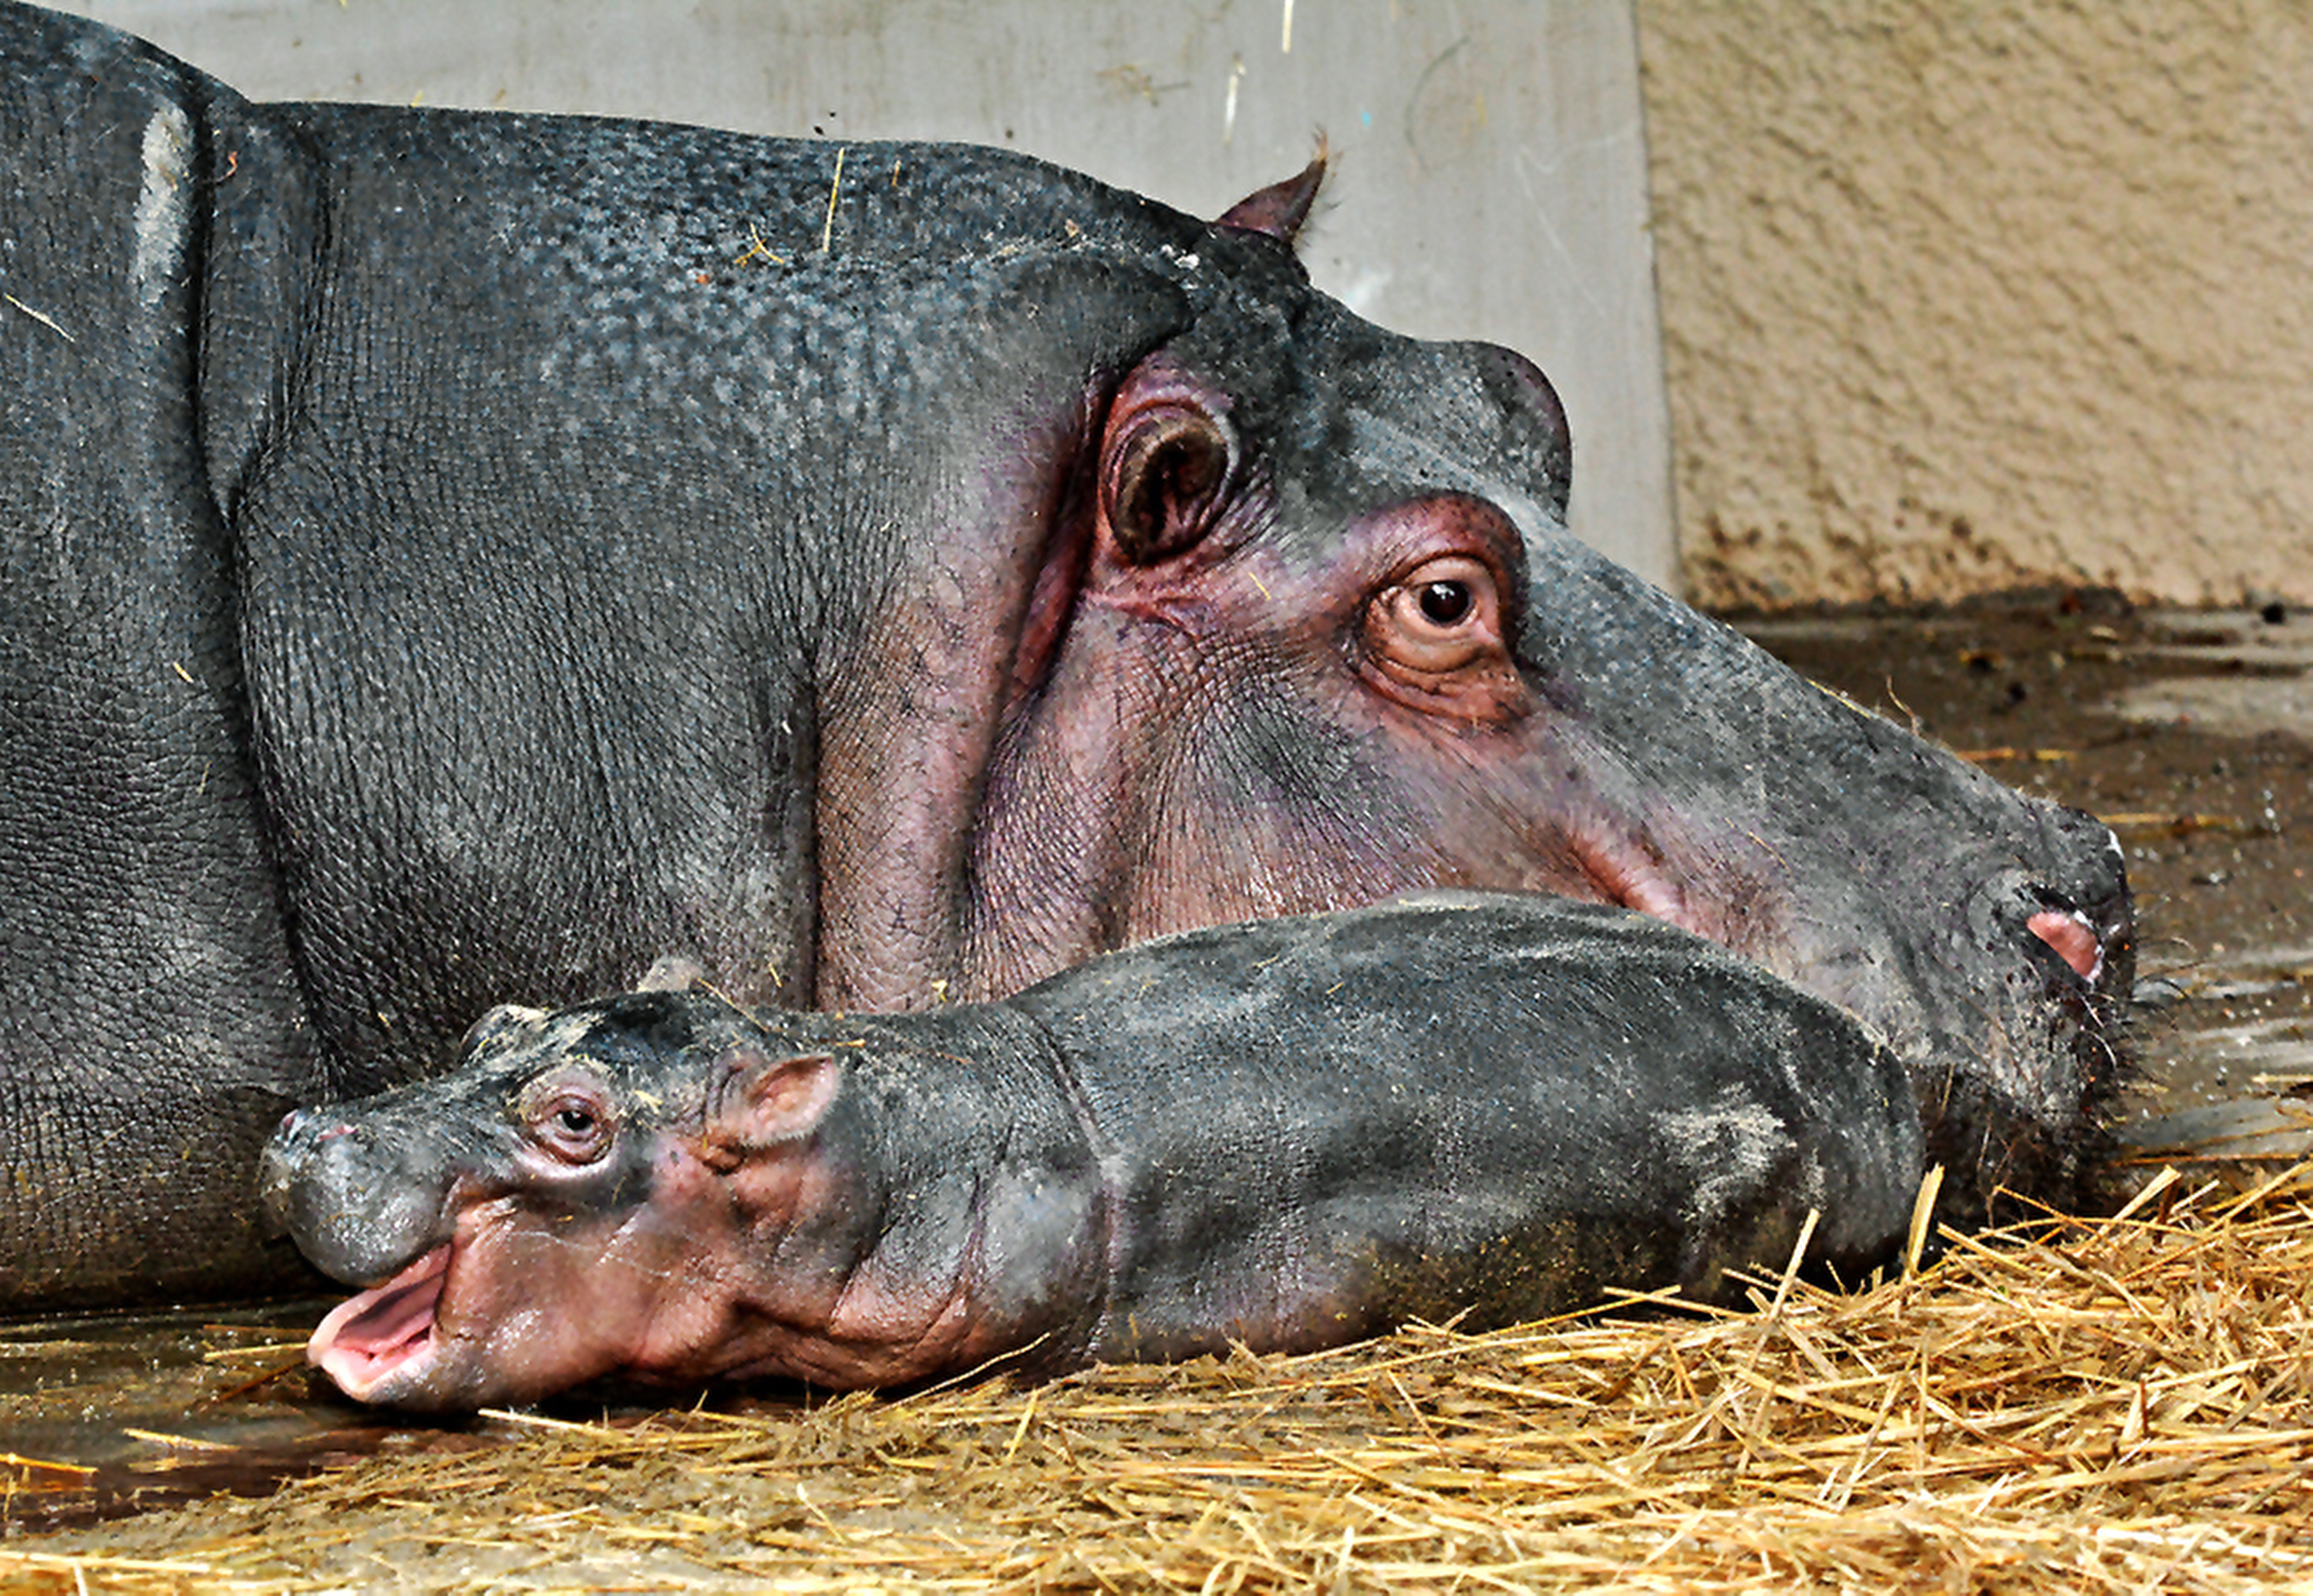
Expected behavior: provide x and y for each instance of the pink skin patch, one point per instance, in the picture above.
(2073, 938)
(369, 1337)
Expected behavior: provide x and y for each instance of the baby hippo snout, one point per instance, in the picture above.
(285, 1157)
(348, 1204)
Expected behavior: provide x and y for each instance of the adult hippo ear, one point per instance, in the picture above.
(1167, 466)
(756, 1102)
(1280, 210)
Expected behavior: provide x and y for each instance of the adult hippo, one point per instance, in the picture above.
(453, 559)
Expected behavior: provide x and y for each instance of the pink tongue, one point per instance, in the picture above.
(2070, 937)
(365, 1336)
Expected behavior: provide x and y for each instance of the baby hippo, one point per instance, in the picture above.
(1290, 1133)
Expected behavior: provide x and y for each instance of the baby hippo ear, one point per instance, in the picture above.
(508, 1021)
(754, 1102)
(671, 971)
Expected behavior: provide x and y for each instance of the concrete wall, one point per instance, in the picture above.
(1956, 297)
(1491, 180)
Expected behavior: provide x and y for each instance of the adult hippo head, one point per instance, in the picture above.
(454, 559)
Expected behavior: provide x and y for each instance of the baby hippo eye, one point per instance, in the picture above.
(575, 1132)
(567, 1119)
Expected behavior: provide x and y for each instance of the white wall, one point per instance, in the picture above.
(1490, 181)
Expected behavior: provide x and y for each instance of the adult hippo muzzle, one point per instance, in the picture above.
(453, 560)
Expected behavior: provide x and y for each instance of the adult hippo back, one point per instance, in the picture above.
(451, 559)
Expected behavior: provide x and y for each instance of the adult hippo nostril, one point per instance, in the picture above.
(2098, 941)
(2091, 918)
(2074, 938)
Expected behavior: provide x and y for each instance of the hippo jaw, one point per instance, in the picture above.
(523, 1302)
(505, 1313)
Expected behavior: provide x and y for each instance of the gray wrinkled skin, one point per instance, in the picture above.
(454, 559)
(1293, 1134)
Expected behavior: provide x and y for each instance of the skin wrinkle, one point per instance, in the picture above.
(865, 1314)
(1355, 871)
(126, 542)
(1038, 856)
(1346, 838)
(924, 834)
(845, 1322)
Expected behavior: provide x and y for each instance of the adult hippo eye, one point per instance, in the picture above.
(1437, 640)
(1446, 602)
(1443, 616)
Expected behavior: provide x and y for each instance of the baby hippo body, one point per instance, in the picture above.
(1290, 1133)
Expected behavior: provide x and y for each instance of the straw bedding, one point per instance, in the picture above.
(2121, 1405)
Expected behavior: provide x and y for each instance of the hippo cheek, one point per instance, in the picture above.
(1170, 780)
(1379, 810)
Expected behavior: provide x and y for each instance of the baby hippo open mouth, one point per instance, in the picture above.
(367, 1339)
(1502, 1106)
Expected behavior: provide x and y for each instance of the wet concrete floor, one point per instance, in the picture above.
(2190, 734)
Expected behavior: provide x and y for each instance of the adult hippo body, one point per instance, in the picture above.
(453, 560)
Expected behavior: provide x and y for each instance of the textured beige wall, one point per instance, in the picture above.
(1961, 296)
